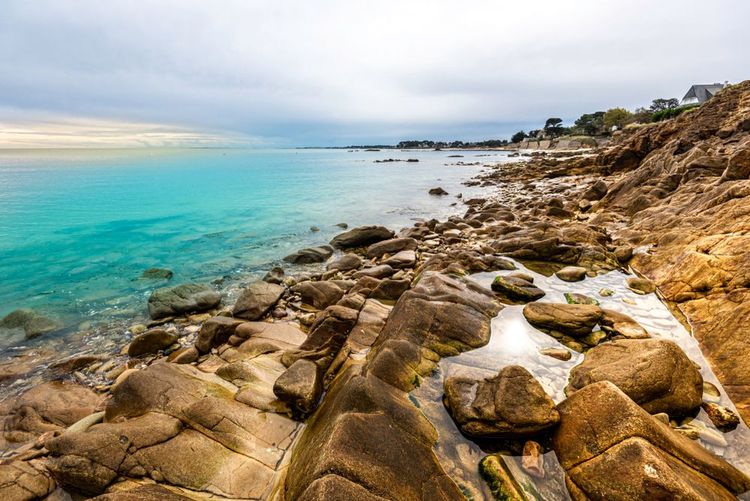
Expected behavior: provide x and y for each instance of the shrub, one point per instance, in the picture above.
(672, 112)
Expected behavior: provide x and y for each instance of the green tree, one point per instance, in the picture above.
(616, 117)
(553, 126)
(518, 137)
(664, 104)
(590, 124)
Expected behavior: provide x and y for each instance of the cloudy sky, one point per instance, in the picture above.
(286, 73)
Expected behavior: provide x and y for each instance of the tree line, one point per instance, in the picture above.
(602, 122)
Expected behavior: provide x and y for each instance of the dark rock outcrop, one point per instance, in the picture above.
(186, 298)
(361, 236)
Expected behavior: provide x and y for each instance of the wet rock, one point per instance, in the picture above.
(300, 386)
(499, 480)
(571, 274)
(606, 292)
(576, 320)
(257, 299)
(437, 191)
(641, 285)
(623, 253)
(604, 435)
(157, 274)
(361, 237)
(186, 355)
(310, 255)
(617, 323)
(532, 460)
(151, 341)
(558, 353)
(391, 246)
(275, 276)
(516, 289)
(32, 323)
(345, 263)
(510, 404)
(214, 332)
(655, 373)
(186, 298)
(314, 229)
(319, 295)
(723, 418)
(402, 259)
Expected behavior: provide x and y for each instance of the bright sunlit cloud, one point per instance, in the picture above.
(338, 72)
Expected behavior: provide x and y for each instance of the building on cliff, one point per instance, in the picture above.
(699, 94)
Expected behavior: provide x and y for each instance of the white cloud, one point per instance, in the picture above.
(314, 70)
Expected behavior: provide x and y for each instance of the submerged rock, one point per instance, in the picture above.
(186, 298)
(641, 285)
(437, 191)
(361, 236)
(32, 323)
(257, 299)
(275, 276)
(655, 373)
(510, 404)
(157, 274)
(723, 418)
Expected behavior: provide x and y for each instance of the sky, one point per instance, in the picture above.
(301, 73)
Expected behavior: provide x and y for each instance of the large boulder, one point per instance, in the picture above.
(186, 298)
(511, 404)
(611, 448)
(655, 373)
(573, 319)
(310, 255)
(32, 323)
(20, 481)
(327, 335)
(300, 386)
(319, 295)
(257, 299)
(215, 331)
(361, 236)
(516, 288)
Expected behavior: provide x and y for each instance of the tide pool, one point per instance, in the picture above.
(78, 227)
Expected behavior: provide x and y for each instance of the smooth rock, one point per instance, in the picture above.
(157, 274)
(257, 299)
(320, 294)
(391, 246)
(516, 289)
(571, 273)
(31, 322)
(577, 320)
(641, 285)
(655, 373)
(345, 263)
(310, 255)
(151, 341)
(186, 298)
(300, 386)
(511, 404)
(361, 236)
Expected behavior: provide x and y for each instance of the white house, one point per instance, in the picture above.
(699, 94)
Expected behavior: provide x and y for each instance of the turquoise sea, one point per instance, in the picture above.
(78, 227)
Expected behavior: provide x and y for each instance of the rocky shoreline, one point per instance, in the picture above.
(403, 370)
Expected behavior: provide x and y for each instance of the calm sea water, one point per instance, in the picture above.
(77, 228)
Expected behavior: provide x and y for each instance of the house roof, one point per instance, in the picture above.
(703, 92)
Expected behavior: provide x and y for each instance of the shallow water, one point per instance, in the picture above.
(515, 342)
(78, 227)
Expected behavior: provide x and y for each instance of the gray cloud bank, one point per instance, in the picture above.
(339, 72)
